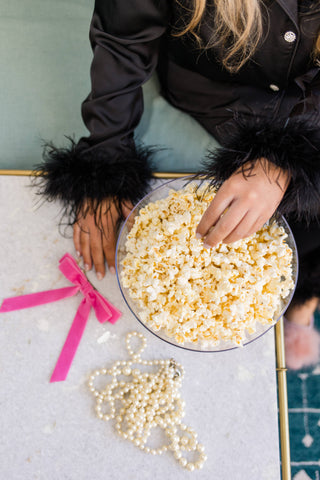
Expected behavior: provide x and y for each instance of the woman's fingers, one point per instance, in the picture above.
(85, 247)
(109, 237)
(76, 238)
(216, 208)
(97, 252)
(245, 228)
(262, 219)
(227, 223)
(109, 249)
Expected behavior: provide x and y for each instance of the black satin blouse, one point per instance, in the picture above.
(131, 39)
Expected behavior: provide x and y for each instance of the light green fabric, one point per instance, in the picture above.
(45, 60)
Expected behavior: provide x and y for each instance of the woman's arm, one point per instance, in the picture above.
(288, 176)
(106, 171)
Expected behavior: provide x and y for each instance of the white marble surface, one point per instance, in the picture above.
(50, 431)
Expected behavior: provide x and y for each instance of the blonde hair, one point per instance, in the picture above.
(316, 50)
(237, 32)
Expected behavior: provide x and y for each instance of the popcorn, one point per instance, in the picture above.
(203, 295)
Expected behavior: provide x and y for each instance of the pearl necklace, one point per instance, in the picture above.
(147, 400)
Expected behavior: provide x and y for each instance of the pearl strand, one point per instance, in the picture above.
(148, 400)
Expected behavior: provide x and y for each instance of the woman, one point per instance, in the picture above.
(248, 71)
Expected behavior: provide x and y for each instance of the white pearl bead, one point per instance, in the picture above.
(190, 467)
(184, 440)
(183, 462)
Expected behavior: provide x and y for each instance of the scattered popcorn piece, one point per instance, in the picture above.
(198, 295)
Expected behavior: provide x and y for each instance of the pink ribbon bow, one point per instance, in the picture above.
(92, 298)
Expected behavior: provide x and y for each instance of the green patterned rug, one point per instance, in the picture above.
(304, 420)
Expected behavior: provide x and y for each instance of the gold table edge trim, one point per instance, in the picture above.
(283, 401)
(17, 173)
(27, 173)
(280, 356)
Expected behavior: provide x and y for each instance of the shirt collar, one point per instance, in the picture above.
(291, 9)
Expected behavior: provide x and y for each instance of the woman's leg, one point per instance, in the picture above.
(302, 314)
(302, 341)
(307, 294)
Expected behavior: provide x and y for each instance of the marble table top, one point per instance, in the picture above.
(51, 431)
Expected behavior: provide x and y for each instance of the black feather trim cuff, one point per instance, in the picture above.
(292, 144)
(79, 176)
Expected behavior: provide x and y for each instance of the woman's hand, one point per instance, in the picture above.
(95, 235)
(243, 203)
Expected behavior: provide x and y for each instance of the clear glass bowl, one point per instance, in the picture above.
(160, 193)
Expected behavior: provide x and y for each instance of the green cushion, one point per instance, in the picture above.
(45, 62)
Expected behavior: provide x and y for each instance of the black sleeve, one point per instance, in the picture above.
(125, 38)
(292, 143)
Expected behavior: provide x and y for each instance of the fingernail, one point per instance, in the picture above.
(99, 276)
(86, 267)
(112, 270)
(205, 245)
(78, 254)
(198, 235)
